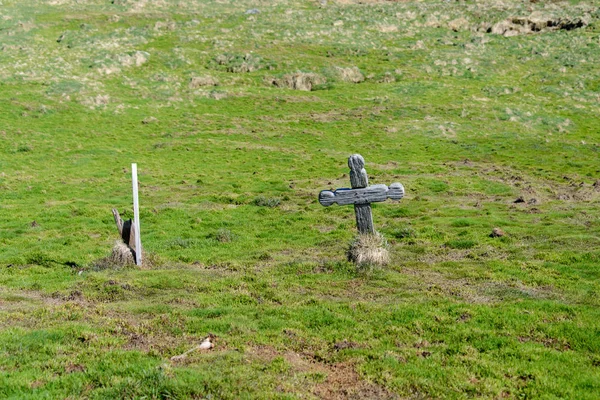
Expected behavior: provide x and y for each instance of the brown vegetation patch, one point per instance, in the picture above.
(350, 74)
(142, 337)
(537, 22)
(330, 116)
(121, 255)
(72, 368)
(341, 381)
(533, 190)
(553, 343)
(298, 99)
(474, 291)
(200, 81)
(344, 383)
(345, 344)
(26, 299)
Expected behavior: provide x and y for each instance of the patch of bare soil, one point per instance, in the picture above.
(143, 334)
(72, 368)
(345, 344)
(344, 383)
(553, 343)
(15, 300)
(341, 382)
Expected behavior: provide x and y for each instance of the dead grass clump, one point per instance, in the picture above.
(120, 256)
(136, 58)
(298, 81)
(200, 81)
(350, 74)
(369, 250)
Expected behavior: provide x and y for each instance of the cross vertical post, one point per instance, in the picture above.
(359, 180)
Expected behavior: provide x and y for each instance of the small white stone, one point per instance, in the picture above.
(206, 344)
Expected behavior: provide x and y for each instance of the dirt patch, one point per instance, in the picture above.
(344, 383)
(553, 343)
(12, 300)
(345, 344)
(72, 368)
(137, 341)
(341, 379)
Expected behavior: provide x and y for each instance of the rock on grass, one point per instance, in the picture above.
(497, 232)
(538, 22)
(298, 81)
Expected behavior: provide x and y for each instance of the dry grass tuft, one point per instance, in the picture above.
(120, 256)
(369, 250)
(350, 74)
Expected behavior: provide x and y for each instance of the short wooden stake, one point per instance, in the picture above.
(136, 216)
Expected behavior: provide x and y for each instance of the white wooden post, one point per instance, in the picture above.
(136, 216)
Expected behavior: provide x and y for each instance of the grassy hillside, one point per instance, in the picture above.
(487, 123)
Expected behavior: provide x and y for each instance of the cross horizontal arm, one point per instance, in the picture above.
(370, 194)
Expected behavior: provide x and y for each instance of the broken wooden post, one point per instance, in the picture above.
(361, 195)
(130, 230)
(125, 230)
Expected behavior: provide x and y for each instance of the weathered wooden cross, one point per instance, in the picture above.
(361, 194)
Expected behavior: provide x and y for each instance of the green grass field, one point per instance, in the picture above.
(231, 160)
